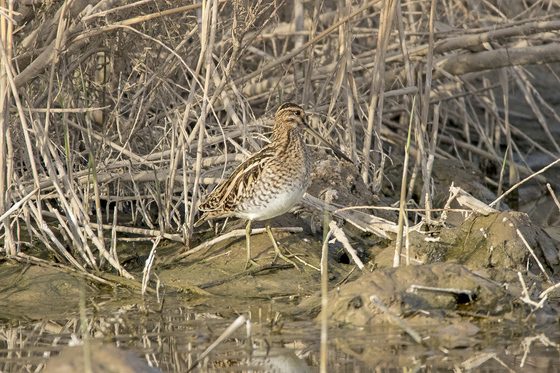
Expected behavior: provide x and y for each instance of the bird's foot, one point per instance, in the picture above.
(249, 263)
(287, 259)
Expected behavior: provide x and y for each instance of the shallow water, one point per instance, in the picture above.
(175, 336)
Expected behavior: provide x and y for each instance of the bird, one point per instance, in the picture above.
(269, 182)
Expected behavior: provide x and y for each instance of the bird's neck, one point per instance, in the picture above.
(288, 141)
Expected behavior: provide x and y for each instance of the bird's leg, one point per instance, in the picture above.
(276, 249)
(248, 230)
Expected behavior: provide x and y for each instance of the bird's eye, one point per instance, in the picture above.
(297, 112)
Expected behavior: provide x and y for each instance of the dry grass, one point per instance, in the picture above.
(142, 107)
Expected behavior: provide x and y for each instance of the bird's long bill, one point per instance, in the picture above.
(336, 150)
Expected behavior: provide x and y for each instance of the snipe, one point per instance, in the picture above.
(268, 183)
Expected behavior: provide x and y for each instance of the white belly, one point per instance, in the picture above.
(281, 203)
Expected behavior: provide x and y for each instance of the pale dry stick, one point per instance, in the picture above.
(504, 57)
(98, 213)
(528, 341)
(132, 21)
(307, 88)
(148, 265)
(459, 64)
(229, 331)
(490, 110)
(141, 176)
(16, 206)
(8, 16)
(64, 110)
(513, 174)
(410, 82)
(527, 89)
(351, 93)
(297, 51)
(144, 232)
(422, 139)
(431, 157)
(184, 142)
(407, 241)
(58, 42)
(404, 50)
(549, 290)
(376, 94)
(476, 150)
(237, 50)
(178, 140)
(523, 181)
(501, 362)
(365, 222)
(296, 257)
(45, 229)
(25, 128)
(340, 73)
(47, 53)
(402, 206)
(456, 43)
(113, 245)
(141, 205)
(473, 120)
(72, 206)
(341, 237)
(396, 319)
(24, 258)
(453, 193)
(298, 21)
(533, 254)
(172, 53)
(388, 208)
(324, 299)
(475, 361)
(525, 298)
(232, 234)
(495, 33)
(208, 46)
(66, 228)
(6, 155)
(116, 9)
(551, 110)
(549, 189)
(415, 288)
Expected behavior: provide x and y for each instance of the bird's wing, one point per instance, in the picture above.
(226, 195)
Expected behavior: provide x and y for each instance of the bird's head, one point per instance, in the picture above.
(291, 115)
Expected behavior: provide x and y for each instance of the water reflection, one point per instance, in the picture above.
(173, 339)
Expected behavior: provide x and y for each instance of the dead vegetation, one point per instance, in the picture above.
(117, 118)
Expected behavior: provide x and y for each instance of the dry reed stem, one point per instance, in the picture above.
(233, 234)
(6, 41)
(533, 254)
(524, 180)
(160, 100)
(376, 94)
(402, 201)
(422, 137)
(553, 195)
(226, 333)
(338, 233)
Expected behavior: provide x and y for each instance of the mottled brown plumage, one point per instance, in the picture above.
(268, 183)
